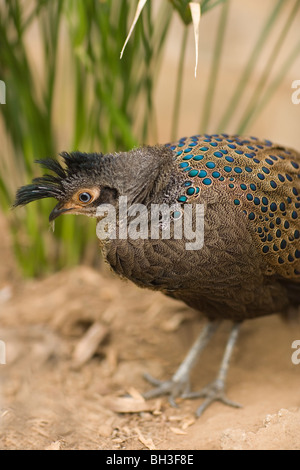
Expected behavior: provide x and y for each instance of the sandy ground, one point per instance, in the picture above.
(79, 340)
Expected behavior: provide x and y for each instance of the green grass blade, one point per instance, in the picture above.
(241, 86)
(178, 88)
(213, 76)
(276, 82)
(250, 110)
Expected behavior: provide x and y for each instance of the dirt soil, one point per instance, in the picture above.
(79, 341)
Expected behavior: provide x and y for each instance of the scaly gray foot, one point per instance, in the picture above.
(173, 388)
(213, 392)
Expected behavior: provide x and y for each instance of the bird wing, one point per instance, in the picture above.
(261, 179)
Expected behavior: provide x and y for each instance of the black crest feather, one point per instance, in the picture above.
(75, 164)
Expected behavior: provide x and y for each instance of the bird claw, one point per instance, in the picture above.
(213, 392)
(169, 387)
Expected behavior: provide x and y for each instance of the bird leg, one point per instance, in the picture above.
(216, 390)
(179, 385)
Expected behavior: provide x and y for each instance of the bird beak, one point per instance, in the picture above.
(57, 211)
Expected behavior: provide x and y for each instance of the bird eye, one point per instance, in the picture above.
(85, 198)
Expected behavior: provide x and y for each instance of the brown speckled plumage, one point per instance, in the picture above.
(263, 179)
(250, 263)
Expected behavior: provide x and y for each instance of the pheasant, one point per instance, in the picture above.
(249, 264)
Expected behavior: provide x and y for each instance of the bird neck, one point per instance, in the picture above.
(143, 174)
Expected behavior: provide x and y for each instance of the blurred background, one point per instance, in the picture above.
(77, 338)
(67, 89)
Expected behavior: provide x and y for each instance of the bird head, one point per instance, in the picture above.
(79, 185)
(82, 181)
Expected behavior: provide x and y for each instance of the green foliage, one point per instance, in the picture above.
(106, 93)
(183, 8)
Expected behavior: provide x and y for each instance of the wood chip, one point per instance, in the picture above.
(147, 442)
(175, 418)
(134, 393)
(173, 323)
(112, 358)
(157, 407)
(127, 404)
(88, 345)
(188, 423)
(54, 446)
(178, 431)
(105, 430)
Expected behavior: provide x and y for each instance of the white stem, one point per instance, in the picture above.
(139, 8)
(196, 17)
